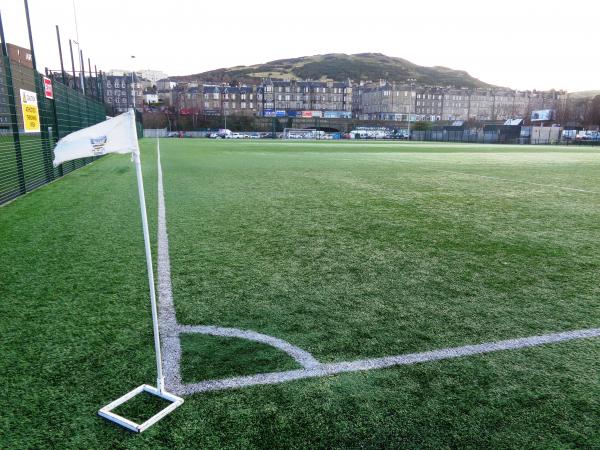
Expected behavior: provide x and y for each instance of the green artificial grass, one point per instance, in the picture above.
(347, 250)
(141, 407)
(356, 250)
(209, 357)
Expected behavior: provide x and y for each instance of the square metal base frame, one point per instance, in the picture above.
(107, 413)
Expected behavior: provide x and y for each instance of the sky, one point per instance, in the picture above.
(520, 44)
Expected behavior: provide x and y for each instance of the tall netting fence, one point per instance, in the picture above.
(26, 147)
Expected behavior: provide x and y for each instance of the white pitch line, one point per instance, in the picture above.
(170, 344)
(171, 330)
(303, 358)
(389, 361)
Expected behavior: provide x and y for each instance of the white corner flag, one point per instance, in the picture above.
(119, 135)
(115, 135)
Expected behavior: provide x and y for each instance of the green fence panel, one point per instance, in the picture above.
(26, 158)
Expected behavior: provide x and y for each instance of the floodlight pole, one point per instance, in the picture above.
(132, 88)
(410, 80)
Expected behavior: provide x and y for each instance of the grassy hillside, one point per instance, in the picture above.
(579, 95)
(340, 67)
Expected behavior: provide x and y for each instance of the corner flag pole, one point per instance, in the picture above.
(160, 381)
(119, 135)
(159, 391)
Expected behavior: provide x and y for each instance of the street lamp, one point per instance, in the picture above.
(411, 81)
(132, 85)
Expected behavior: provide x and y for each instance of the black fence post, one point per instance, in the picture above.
(62, 67)
(43, 112)
(44, 127)
(10, 93)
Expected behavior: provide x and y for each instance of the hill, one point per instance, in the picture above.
(582, 95)
(340, 67)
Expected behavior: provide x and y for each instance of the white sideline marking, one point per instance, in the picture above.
(171, 330)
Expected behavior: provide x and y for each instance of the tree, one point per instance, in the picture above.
(421, 126)
(594, 111)
(277, 125)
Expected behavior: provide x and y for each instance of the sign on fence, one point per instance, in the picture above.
(31, 113)
(48, 88)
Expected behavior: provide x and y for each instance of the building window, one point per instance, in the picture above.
(243, 105)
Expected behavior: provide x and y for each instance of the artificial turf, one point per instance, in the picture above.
(348, 250)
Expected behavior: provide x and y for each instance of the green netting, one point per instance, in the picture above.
(26, 158)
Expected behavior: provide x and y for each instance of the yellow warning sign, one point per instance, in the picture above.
(31, 113)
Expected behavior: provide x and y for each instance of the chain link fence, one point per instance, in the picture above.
(25, 156)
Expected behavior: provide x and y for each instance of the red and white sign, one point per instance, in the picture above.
(48, 88)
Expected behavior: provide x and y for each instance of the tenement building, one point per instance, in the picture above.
(389, 101)
(295, 98)
(332, 99)
(384, 101)
(215, 99)
(118, 91)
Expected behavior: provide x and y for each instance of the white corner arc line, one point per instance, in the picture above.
(389, 361)
(171, 330)
(304, 358)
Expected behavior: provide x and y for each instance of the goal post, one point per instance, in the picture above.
(301, 133)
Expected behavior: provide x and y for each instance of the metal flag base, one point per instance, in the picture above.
(107, 413)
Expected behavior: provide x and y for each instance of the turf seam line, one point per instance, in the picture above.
(489, 177)
(517, 181)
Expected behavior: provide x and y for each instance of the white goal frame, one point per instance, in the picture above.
(300, 133)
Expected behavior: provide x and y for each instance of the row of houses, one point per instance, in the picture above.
(330, 99)
(269, 98)
(366, 101)
(390, 101)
